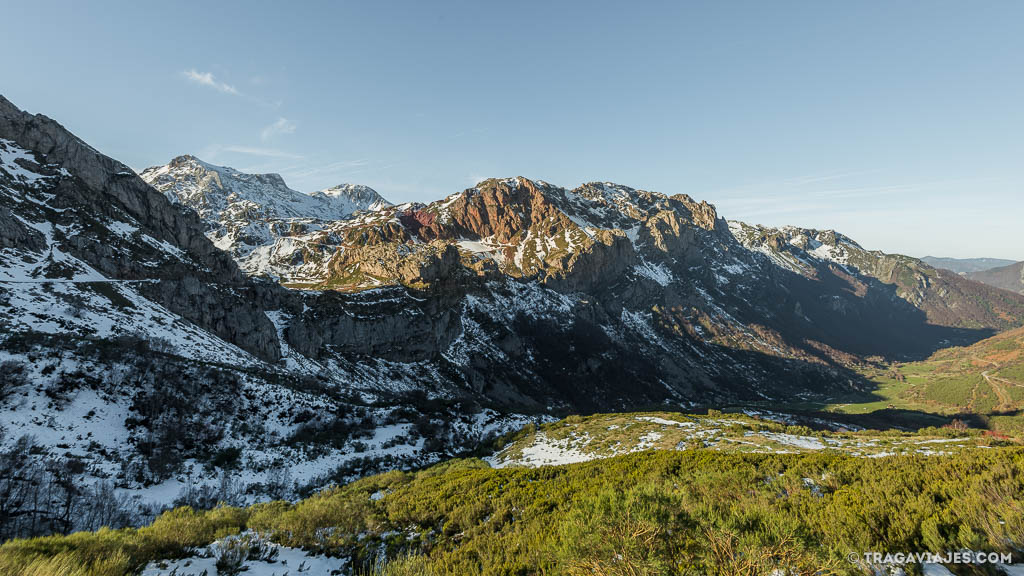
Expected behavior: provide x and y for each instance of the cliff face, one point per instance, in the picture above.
(944, 297)
(595, 238)
(101, 215)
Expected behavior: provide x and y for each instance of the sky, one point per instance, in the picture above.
(900, 124)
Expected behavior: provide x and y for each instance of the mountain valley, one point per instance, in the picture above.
(194, 335)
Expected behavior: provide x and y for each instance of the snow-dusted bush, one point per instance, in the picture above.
(233, 552)
(12, 375)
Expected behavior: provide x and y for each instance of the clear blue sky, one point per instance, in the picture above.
(898, 123)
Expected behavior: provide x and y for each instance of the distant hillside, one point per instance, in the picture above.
(982, 384)
(965, 265)
(1006, 277)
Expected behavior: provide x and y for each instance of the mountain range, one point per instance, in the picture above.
(966, 266)
(193, 325)
(1005, 274)
(1010, 277)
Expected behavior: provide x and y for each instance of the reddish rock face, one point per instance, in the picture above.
(534, 229)
(513, 226)
(415, 220)
(495, 209)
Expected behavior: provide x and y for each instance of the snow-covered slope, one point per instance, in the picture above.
(945, 297)
(138, 367)
(351, 198)
(226, 193)
(797, 249)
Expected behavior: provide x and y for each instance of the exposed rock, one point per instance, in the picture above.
(702, 213)
(428, 269)
(518, 291)
(14, 234)
(202, 288)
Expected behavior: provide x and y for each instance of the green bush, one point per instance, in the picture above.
(650, 513)
(119, 552)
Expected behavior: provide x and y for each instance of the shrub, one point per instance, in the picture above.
(12, 375)
(227, 458)
(662, 512)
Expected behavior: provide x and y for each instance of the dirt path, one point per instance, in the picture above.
(997, 384)
(974, 398)
(1007, 382)
(1004, 399)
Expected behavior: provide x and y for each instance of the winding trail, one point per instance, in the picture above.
(998, 384)
(1004, 398)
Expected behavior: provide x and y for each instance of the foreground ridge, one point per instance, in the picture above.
(802, 513)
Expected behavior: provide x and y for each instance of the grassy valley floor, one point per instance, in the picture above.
(979, 386)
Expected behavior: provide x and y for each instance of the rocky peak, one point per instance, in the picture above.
(225, 195)
(358, 196)
(703, 213)
(258, 219)
(530, 228)
(221, 174)
(501, 210)
(797, 248)
(612, 193)
(210, 189)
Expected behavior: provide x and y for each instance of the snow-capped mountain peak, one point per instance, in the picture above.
(358, 196)
(255, 216)
(215, 190)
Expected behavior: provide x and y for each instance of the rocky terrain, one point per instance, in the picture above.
(139, 360)
(945, 298)
(256, 218)
(198, 333)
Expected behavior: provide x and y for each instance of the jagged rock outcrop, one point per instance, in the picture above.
(14, 234)
(268, 227)
(397, 327)
(517, 290)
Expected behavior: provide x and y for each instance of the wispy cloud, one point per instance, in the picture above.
(813, 197)
(207, 79)
(281, 126)
(789, 184)
(339, 168)
(264, 152)
(468, 132)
